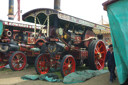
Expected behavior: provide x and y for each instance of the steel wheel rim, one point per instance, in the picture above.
(68, 65)
(100, 53)
(43, 64)
(18, 61)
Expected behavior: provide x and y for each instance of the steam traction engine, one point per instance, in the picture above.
(18, 44)
(70, 42)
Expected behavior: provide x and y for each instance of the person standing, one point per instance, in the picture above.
(111, 63)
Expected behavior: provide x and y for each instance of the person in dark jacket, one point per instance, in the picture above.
(111, 63)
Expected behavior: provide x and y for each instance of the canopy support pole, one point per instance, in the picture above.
(35, 26)
(48, 26)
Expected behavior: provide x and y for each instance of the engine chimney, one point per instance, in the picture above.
(11, 10)
(18, 10)
(57, 5)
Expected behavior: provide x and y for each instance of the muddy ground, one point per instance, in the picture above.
(8, 77)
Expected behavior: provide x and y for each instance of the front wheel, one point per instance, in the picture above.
(96, 54)
(68, 65)
(17, 61)
(42, 64)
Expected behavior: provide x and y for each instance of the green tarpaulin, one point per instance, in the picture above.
(82, 76)
(118, 19)
(1, 28)
(75, 77)
(50, 77)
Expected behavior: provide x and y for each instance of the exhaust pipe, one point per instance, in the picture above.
(57, 5)
(11, 10)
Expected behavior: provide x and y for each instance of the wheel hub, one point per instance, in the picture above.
(18, 61)
(99, 55)
(69, 65)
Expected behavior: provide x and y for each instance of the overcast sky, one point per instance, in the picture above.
(90, 10)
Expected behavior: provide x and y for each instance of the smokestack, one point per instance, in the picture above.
(57, 5)
(18, 10)
(11, 10)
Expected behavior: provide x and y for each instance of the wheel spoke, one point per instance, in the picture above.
(99, 64)
(43, 62)
(65, 67)
(100, 46)
(17, 56)
(15, 61)
(17, 66)
(21, 59)
(18, 61)
(102, 52)
(68, 65)
(96, 50)
(97, 47)
(68, 61)
(101, 59)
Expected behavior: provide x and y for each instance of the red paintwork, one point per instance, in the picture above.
(105, 4)
(18, 61)
(100, 49)
(3, 61)
(43, 65)
(16, 30)
(77, 40)
(66, 48)
(84, 54)
(24, 43)
(54, 39)
(57, 57)
(31, 40)
(41, 40)
(69, 65)
(5, 40)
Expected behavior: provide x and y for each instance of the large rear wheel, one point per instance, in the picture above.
(68, 65)
(42, 63)
(96, 54)
(17, 61)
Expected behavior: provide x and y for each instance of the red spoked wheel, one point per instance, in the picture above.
(42, 64)
(3, 60)
(17, 61)
(97, 53)
(68, 65)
